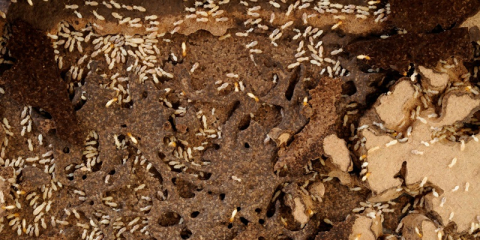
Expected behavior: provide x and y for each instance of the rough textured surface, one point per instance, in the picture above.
(215, 120)
(436, 81)
(456, 108)
(305, 145)
(417, 226)
(397, 52)
(41, 87)
(362, 229)
(337, 149)
(140, 145)
(339, 231)
(428, 160)
(394, 108)
(425, 16)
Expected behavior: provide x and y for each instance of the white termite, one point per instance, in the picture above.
(98, 16)
(454, 161)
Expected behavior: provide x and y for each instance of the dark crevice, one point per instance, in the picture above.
(161, 156)
(245, 122)
(185, 233)
(357, 167)
(271, 209)
(232, 108)
(97, 166)
(204, 176)
(42, 112)
(185, 189)
(194, 214)
(324, 227)
(156, 174)
(292, 82)
(127, 105)
(79, 105)
(349, 88)
(402, 173)
(437, 29)
(244, 221)
(168, 219)
(172, 123)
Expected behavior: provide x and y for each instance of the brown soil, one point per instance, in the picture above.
(201, 121)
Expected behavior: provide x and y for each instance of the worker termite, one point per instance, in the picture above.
(184, 49)
(91, 3)
(151, 17)
(73, 6)
(139, 8)
(251, 95)
(111, 102)
(116, 15)
(305, 101)
(233, 215)
(78, 14)
(98, 16)
(361, 57)
(337, 25)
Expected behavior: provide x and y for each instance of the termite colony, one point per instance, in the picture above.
(425, 98)
(90, 153)
(3, 49)
(38, 200)
(310, 47)
(154, 56)
(426, 106)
